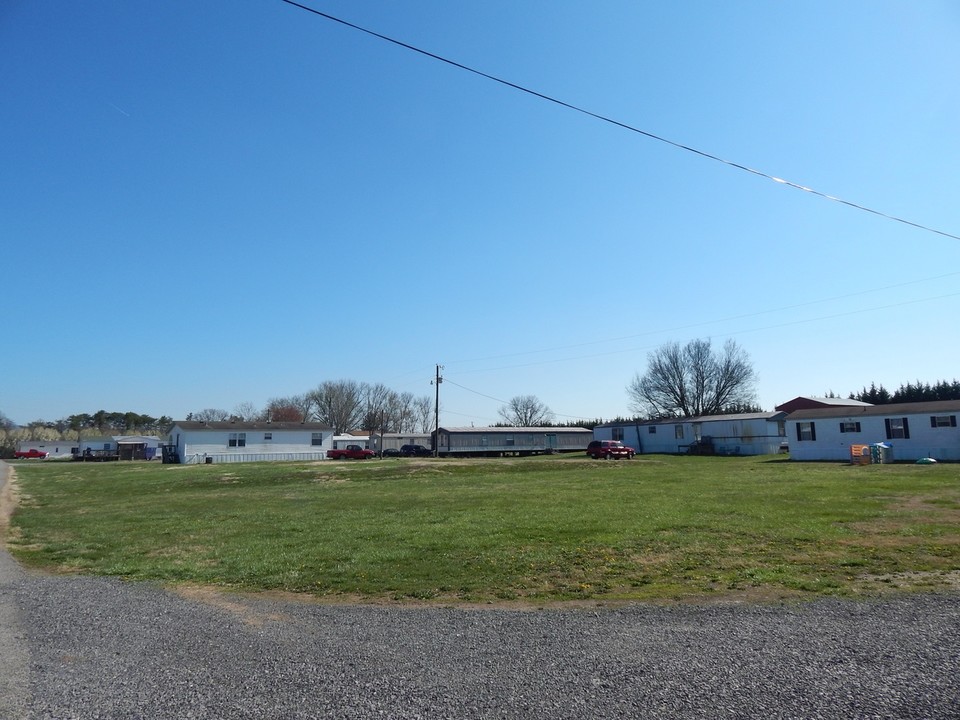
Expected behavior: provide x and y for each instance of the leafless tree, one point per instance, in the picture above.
(423, 414)
(339, 404)
(378, 402)
(246, 412)
(525, 411)
(209, 415)
(692, 381)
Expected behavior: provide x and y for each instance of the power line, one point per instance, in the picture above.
(703, 323)
(734, 333)
(618, 123)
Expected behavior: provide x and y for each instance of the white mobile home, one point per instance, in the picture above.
(496, 441)
(913, 430)
(740, 434)
(53, 448)
(219, 442)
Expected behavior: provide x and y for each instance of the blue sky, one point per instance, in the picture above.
(205, 204)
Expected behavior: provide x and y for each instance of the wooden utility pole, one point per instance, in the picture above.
(436, 424)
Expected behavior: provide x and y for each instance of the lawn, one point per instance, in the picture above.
(528, 530)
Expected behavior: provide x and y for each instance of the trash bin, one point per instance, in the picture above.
(208, 460)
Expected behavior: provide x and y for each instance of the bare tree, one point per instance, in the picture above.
(209, 415)
(423, 414)
(692, 380)
(339, 404)
(246, 412)
(525, 411)
(378, 406)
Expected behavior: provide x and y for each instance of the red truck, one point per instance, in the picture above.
(31, 453)
(350, 452)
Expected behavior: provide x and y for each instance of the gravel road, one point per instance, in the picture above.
(83, 647)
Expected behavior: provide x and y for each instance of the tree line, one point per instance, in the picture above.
(343, 405)
(909, 392)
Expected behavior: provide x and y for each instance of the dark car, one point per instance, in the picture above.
(415, 451)
(391, 452)
(609, 450)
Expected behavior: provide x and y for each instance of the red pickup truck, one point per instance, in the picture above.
(350, 452)
(31, 453)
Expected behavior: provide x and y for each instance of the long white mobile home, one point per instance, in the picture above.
(740, 434)
(219, 442)
(912, 430)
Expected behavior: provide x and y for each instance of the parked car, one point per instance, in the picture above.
(415, 451)
(391, 452)
(609, 450)
(350, 452)
(31, 453)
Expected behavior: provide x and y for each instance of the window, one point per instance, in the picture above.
(806, 431)
(617, 434)
(943, 421)
(508, 441)
(237, 440)
(267, 437)
(848, 427)
(678, 432)
(316, 438)
(897, 428)
(782, 428)
(652, 429)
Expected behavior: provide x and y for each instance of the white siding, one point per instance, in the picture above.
(941, 443)
(195, 446)
(733, 435)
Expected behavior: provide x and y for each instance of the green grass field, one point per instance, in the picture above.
(531, 530)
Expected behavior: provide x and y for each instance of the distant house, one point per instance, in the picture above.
(125, 447)
(740, 434)
(394, 441)
(53, 448)
(913, 430)
(221, 442)
(498, 441)
(809, 403)
(341, 441)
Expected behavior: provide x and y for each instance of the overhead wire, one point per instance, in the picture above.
(620, 124)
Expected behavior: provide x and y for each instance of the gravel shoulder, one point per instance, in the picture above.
(84, 647)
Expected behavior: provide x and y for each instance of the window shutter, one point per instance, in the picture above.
(813, 431)
(933, 421)
(953, 421)
(799, 436)
(886, 423)
(906, 430)
(858, 427)
(842, 430)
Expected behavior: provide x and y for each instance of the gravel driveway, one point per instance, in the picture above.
(83, 647)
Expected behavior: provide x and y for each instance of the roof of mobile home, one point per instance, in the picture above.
(916, 408)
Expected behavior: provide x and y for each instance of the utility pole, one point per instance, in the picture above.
(436, 424)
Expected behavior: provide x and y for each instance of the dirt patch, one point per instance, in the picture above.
(8, 500)
(230, 603)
